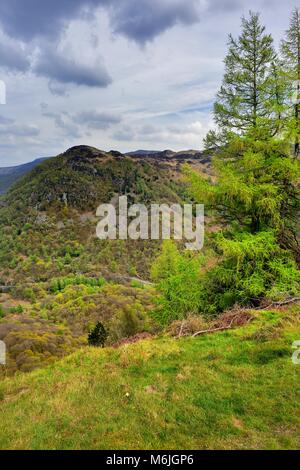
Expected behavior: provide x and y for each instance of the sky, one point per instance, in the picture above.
(115, 74)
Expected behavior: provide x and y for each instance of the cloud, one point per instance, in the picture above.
(96, 120)
(225, 5)
(68, 128)
(140, 20)
(186, 135)
(76, 126)
(31, 18)
(62, 69)
(57, 89)
(125, 134)
(40, 24)
(12, 56)
(143, 20)
(162, 88)
(63, 122)
(5, 120)
(14, 130)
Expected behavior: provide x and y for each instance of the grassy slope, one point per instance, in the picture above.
(235, 389)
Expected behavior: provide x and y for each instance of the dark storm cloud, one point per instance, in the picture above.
(30, 18)
(96, 120)
(61, 69)
(140, 20)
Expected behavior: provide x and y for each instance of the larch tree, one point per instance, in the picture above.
(249, 96)
(290, 49)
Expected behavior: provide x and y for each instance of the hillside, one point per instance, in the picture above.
(8, 175)
(51, 213)
(230, 390)
(56, 277)
(154, 386)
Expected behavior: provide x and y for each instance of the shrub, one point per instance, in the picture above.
(137, 284)
(177, 276)
(58, 285)
(2, 313)
(18, 309)
(28, 294)
(252, 267)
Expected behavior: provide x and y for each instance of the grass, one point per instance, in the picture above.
(231, 390)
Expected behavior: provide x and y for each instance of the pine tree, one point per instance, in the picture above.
(250, 89)
(98, 336)
(290, 49)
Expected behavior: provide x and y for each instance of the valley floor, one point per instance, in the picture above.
(231, 390)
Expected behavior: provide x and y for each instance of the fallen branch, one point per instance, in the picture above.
(229, 326)
(223, 328)
(203, 332)
(280, 304)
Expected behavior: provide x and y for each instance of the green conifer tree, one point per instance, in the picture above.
(290, 49)
(98, 336)
(250, 89)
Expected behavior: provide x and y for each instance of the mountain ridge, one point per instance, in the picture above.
(9, 175)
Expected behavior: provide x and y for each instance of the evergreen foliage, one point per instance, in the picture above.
(251, 267)
(256, 201)
(257, 185)
(177, 276)
(249, 90)
(290, 50)
(98, 336)
(60, 284)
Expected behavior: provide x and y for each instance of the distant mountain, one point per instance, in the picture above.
(82, 176)
(10, 174)
(192, 155)
(141, 152)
